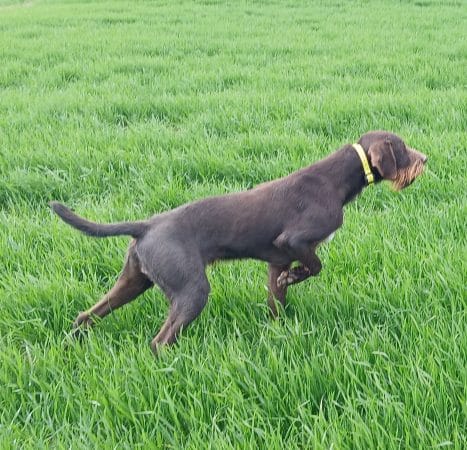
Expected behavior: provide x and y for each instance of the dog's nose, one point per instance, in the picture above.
(419, 155)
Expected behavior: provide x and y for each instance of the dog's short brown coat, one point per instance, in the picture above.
(280, 222)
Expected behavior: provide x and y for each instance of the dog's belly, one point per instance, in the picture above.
(268, 253)
(271, 255)
(274, 256)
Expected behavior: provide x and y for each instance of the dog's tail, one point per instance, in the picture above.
(135, 229)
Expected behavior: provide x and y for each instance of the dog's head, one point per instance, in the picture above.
(392, 159)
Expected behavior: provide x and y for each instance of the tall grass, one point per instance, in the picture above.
(125, 109)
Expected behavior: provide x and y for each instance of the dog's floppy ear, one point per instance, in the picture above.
(382, 157)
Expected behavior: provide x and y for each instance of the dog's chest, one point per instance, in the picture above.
(328, 239)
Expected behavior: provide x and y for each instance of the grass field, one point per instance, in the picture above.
(125, 109)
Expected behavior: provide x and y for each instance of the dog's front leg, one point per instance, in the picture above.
(276, 291)
(304, 252)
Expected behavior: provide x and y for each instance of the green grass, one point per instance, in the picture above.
(125, 109)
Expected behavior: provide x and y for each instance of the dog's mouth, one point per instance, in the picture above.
(405, 177)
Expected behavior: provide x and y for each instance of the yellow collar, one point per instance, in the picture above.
(366, 167)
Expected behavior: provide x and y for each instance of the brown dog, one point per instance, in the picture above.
(279, 222)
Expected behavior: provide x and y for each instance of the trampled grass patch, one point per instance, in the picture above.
(125, 109)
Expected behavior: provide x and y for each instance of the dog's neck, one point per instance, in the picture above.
(369, 177)
(350, 174)
(346, 173)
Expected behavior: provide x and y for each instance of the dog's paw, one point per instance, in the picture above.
(283, 279)
(81, 325)
(83, 319)
(292, 276)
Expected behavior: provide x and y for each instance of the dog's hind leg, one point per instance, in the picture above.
(185, 307)
(131, 283)
(276, 292)
(183, 279)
